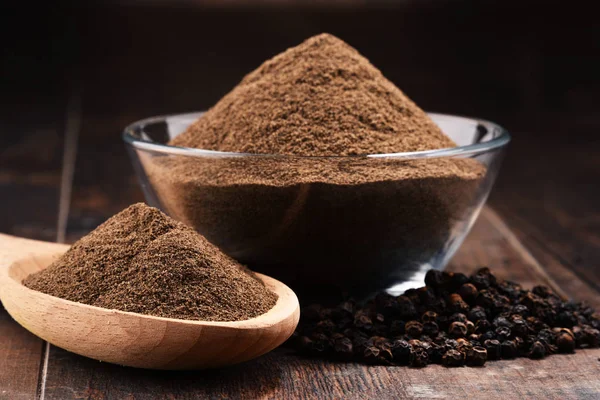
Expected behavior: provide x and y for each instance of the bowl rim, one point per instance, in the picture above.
(501, 140)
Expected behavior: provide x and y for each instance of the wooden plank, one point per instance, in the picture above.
(562, 271)
(30, 178)
(282, 374)
(29, 189)
(20, 356)
(104, 182)
(553, 206)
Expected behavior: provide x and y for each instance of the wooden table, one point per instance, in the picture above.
(542, 227)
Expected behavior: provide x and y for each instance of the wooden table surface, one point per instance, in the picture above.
(541, 227)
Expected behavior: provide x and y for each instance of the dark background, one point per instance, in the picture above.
(530, 66)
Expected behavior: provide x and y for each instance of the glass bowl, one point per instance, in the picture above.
(326, 226)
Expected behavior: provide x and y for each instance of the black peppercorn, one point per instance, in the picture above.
(480, 281)
(468, 292)
(383, 300)
(502, 333)
(567, 319)
(565, 342)
(406, 308)
(458, 317)
(450, 344)
(426, 295)
(419, 358)
(436, 352)
(474, 337)
(502, 321)
(487, 335)
(453, 358)
(371, 354)
(379, 341)
(413, 328)
(538, 350)
(456, 281)
(494, 349)
(385, 355)
(523, 345)
(483, 325)
(429, 316)
(344, 310)
(509, 349)
(343, 348)
(586, 336)
(477, 356)
(476, 314)
(434, 279)
(483, 278)
(463, 344)
(430, 329)
(326, 326)
(359, 344)
(470, 327)
(457, 303)
(458, 329)
(531, 300)
(542, 291)
(401, 351)
(485, 299)
(519, 327)
(546, 336)
(363, 321)
(521, 310)
(397, 327)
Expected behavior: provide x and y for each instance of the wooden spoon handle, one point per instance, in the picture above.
(13, 248)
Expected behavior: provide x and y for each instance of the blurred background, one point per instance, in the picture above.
(75, 73)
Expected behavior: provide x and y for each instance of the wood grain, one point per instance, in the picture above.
(20, 351)
(552, 205)
(30, 167)
(282, 374)
(31, 142)
(20, 356)
(103, 183)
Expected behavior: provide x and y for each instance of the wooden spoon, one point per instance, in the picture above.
(131, 339)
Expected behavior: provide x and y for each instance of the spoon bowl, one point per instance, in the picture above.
(131, 339)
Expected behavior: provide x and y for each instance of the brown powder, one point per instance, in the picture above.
(321, 98)
(142, 261)
(320, 223)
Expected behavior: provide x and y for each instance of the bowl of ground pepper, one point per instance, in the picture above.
(317, 170)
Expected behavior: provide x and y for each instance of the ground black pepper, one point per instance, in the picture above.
(142, 261)
(454, 320)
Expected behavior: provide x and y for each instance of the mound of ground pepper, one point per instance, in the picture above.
(142, 261)
(320, 98)
(303, 214)
(454, 320)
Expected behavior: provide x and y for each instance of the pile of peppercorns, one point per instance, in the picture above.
(454, 320)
